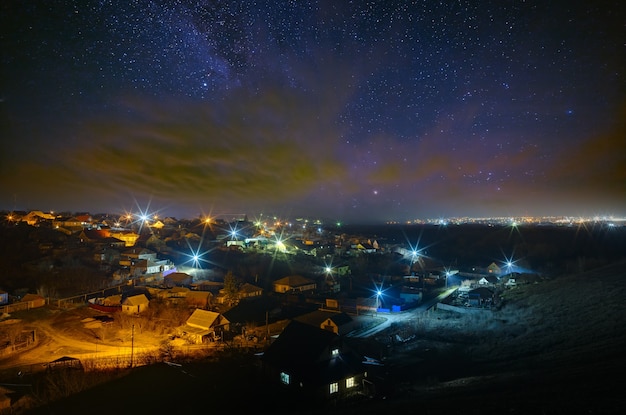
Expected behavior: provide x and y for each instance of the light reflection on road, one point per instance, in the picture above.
(387, 319)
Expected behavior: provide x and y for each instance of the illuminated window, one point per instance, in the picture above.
(350, 383)
(284, 377)
(334, 387)
(334, 352)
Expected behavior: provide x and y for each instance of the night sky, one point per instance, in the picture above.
(350, 110)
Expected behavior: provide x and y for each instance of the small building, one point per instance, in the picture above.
(34, 300)
(314, 362)
(294, 283)
(135, 304)
(204, 326)
(248, 290)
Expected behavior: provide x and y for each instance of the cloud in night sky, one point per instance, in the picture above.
(351, 111)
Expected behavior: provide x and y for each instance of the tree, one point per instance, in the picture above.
(231, 287)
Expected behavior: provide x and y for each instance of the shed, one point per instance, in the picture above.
(135, 304)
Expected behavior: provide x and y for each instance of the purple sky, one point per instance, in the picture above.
(354, 111)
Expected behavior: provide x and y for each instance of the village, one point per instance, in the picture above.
(157, 304)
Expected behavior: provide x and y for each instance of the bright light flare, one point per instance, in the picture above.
(196, 258)
(280, 246)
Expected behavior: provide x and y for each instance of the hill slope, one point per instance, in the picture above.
(555, 347)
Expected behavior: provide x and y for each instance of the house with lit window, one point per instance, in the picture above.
(128, 237)
(314, 362)
(494, 269)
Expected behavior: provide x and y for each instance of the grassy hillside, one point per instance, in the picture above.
(554, 347)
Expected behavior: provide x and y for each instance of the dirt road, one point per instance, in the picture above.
(73, 333)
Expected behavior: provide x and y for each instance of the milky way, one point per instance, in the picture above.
(353, 110)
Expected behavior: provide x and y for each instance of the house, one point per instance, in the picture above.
(494, 269)
(150, 269)
(127, 257)
(488, 280)
(129, 237)
(294, 283)
(199, 299)
(314, 362)
(367, 247)
(177, 279)
(85, 219)
(170, 221)
(157, 225)
(335, 322)
(72, 223)
(101, 238)
(212, 286)
(36, 216)
(135, 304)
(248, 290)
(203, 326)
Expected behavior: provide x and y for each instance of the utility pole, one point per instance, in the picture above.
(132, 344)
